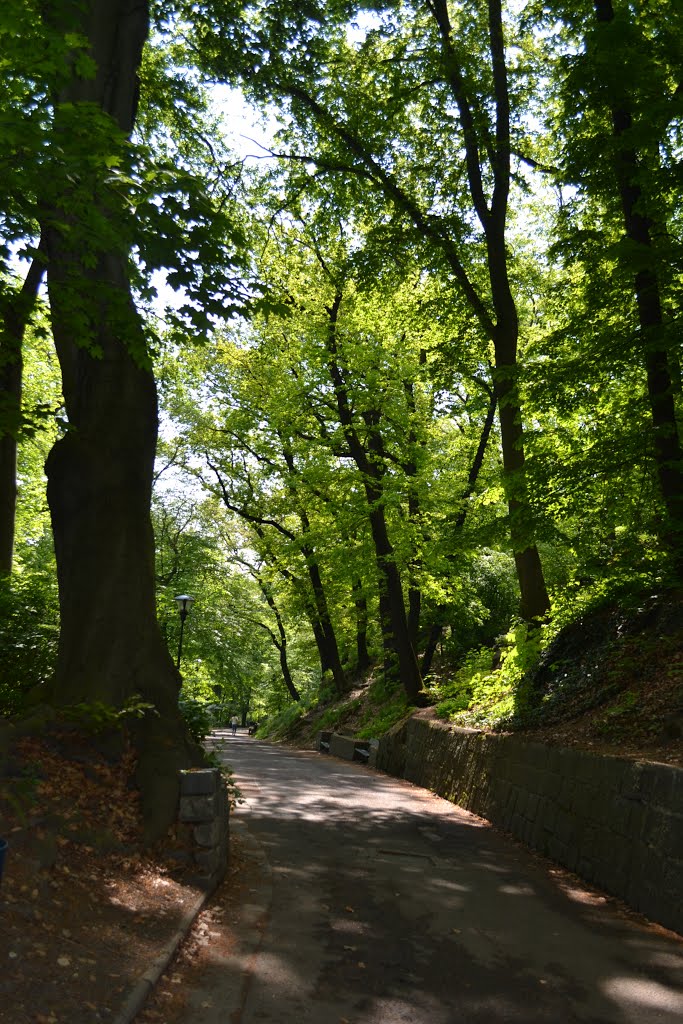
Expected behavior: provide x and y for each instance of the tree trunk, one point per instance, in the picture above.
(328, 647)
(327, 643)
(17, 312)
(360, 603)
(370, 462)
(535, 602)
(281, 644)
(390, 583)
(472, 477)
(483, 145)
(430, 648)
(660, 389)
(415, 561)
(100, 472)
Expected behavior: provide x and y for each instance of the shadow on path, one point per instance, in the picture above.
(388, 904)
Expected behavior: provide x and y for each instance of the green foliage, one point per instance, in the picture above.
(198, 717)
(29, 633)
(279, 726)
(386, 707)
(489, 687)
(235, 795)
(96, 717)
(627, 704)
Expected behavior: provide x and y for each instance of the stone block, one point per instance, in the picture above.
(532, 807)
(199, 782)
(557, 850)
(535, 754)
(620, 815)
(198, 808)
(210, 861)
(551, 784)
(664, 786)
(341, 746)
(209, 833)
(566, 828)
(673, 847)
(322, 742)
(638, 781)
(565, 797)
(522, 801)
(361, 751)
(556, 761)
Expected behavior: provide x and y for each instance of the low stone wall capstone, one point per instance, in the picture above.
(615, 822)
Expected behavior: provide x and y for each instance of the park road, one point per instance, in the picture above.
(380, 903)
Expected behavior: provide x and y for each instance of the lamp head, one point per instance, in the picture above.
(184, 604)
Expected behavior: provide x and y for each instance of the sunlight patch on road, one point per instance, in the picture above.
(645, 995)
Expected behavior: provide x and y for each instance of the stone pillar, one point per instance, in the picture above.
(205, 807)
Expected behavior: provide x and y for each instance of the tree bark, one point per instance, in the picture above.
(100, 472)
(17, 312)
(415, 563)
(281, 643)
(370, 462)
(472, 477)
(504, 328)
(327, 644)
(660, 389)
(326, 638)
(360, 603)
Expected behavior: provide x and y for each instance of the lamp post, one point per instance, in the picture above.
(184, 605)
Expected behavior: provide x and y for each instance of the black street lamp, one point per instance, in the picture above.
(184, 605)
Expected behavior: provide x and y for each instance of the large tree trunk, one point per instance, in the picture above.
(437, 627)
(100, 473)
(535, 602)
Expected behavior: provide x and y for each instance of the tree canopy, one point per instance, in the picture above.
(419, 375)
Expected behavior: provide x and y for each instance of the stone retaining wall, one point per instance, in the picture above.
(205, 809)
(615, 822)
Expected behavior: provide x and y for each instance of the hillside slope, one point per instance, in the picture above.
(611, 681)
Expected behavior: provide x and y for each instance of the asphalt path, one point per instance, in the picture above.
(376, 902)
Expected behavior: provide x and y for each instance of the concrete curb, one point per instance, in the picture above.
(147, 982)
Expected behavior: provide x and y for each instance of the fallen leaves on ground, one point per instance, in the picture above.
(84, 909)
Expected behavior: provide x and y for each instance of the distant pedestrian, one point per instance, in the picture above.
(233, 724)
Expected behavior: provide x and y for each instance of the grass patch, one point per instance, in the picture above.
(385, 706)
(278, 727)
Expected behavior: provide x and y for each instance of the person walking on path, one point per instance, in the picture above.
(233, 724)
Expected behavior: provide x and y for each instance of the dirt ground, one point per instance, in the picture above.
(84, 912)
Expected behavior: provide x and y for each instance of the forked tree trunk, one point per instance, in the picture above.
(100, 472)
